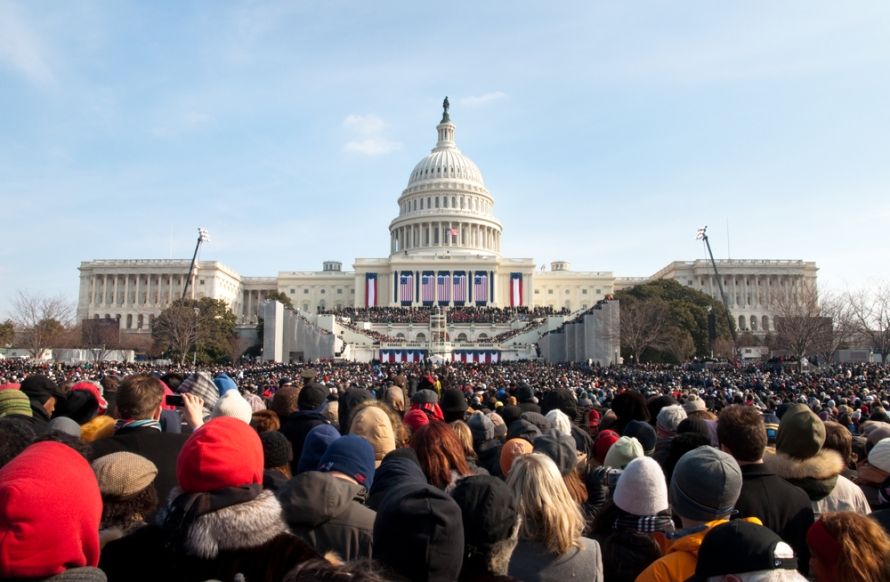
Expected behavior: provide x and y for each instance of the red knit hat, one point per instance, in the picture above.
(415, 418)
(50, 509)
(225, 452)
(94, 390)
(604, 441)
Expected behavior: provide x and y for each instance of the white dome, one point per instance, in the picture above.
(446, 163)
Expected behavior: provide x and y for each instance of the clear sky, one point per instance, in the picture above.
(606, 131)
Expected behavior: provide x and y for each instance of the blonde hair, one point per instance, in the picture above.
(549, 514)
(465, 436)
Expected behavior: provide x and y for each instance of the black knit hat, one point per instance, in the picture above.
(643, 432)
(739, 547)
(488, 509)
(276, 449)
(453, 400)
(312, 396)
(39, 388)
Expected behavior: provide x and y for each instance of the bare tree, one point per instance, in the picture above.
(802, 326)
(41, 321)
(870, 313)
(101, 336)
(644, 324)
(837, 308)
(237, 346)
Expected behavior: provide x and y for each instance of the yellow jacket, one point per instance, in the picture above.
(679, 560)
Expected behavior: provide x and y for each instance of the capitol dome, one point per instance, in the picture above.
(446, 204)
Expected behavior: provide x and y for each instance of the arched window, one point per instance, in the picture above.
(742, 322)
(421, 337)
(461, 338)
(482, 336)
(400, 336)
(753, 323)
(764, 323)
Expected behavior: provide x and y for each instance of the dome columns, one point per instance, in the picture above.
(445, 234)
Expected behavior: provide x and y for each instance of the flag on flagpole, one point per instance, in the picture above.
(452, 231)
(700, 234)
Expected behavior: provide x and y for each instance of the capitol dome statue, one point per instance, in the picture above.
(446, 206)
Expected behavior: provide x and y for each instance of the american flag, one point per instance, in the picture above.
(406, 287)
(700, 234)
(452, 231)
(460, 287)
(427, 288)
(480, 288)
(443, 288)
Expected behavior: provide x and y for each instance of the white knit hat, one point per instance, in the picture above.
(642, 488)
(558, 419)
(625, 450)
(879, 456)
(694, 403)
(670, 417)
(232, 404)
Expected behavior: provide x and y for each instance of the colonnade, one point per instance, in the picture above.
(445, 234)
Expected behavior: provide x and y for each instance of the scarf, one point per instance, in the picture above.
(129, 423)
(643, 523)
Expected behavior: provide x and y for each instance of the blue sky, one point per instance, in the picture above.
(606, 131)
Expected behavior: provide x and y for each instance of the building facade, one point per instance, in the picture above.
(445, 250)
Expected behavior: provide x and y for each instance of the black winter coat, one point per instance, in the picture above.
(161, 448)
(782, 507)
(296, 426)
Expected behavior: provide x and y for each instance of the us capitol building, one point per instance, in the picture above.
(444, 249)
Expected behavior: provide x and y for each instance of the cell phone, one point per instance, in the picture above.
(174, 400)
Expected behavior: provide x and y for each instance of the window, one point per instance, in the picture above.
(305, 307)
(549, 291)
(599, 291)
(764, 322)
(322, 291)
(567, 291)
(200, 281)
(306, 291)
(537, 291)
(583, 291)
(339, 291)
(292, 291)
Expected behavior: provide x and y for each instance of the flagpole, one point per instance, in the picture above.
(703, 235)
(202, 237)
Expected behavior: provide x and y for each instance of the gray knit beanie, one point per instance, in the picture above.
(706, 484)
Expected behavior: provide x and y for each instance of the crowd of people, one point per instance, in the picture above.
(457, 314)
(508, 471)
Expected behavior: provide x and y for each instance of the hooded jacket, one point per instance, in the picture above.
(296, 427)
(327, 513)
(816, 475)
(393, 471)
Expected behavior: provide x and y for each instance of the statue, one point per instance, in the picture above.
(445, 106)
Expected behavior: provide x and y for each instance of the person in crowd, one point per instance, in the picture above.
(418, 532)
(16, 433)
(378, 424)
(465, 437)
(801, 459)
(739, 551)
(43, 395)
(312, 396)
(277, 460)
(550, 546)
(325, 507)
(347, 405)
(486, 446)
(50, 509)
(512, 450)
(219, 521)
(525, 398)
(129, 497)
(703, 492)
(644, 433)
(284, 401)
(315, 445)
(561, 449)
(848, 546)
(138, 430)
(265, 421)
(782, 507)
(627, 406)
(453, 404)
(668, 420)
(440, 454)
(491, 527)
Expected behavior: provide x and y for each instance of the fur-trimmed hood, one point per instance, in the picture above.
(241, 526)
(816, 475)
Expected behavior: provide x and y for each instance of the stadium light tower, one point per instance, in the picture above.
(702, 234)
(203, 236)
